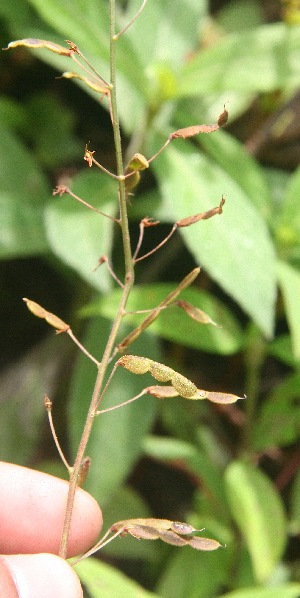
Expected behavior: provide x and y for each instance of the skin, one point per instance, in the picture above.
(31, 517)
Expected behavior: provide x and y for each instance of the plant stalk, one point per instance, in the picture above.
(128, 283)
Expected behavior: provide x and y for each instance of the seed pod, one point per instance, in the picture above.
(52, 319)
(182, 528)
(135, 364)
(40, 43)
(193, 130)
(183, 385)
(161, 372)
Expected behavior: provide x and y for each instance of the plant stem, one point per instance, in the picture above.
(129, 280)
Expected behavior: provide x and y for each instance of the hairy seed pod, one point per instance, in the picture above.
(135, 364)
(184, 386)
(161, 372)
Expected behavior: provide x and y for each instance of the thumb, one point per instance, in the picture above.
(37, 575)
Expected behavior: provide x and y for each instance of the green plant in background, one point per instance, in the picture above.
(174, 75)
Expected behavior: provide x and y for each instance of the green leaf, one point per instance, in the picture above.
(87, 26)
(12, 114)
(235, 247)
(82, 23)
(78, 235)
(295, 505)
(288, 223)
(195, 575)
(281, 348)
(167, 449)
(256, 507)
(22, 231)
(278, 422)
(103, 581)
(260, 60)
(171, 27)
(20, 175)
(50, 129)
(238, 15)
(116, 439)
(23, 190)
(22, 411)
(231, 155)
(289, 282)
(289, 590)
(173, 324)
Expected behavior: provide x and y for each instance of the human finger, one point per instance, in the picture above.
(32, 513)
(38, 575)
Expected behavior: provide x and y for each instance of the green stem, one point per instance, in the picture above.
(128, 283)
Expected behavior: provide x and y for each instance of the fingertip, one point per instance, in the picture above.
(38, 575)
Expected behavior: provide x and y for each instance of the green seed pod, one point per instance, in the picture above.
(161, 372)
(184, 387)
(135, 364)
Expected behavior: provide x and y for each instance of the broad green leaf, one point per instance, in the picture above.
(260, 60)
(22, 411)
(23, 191)
(211, 474)
(18, 14)
(289, 282)
(168, 449)
(82, 23)
(289, 590)
(12, 114)
(172, 323)
(288, 223)
(231, 155)
(22, 232)
(281, 348)
(257, 509)
(87, 25)
(278, 422)
(173, 29)
(51, 131)
(295, 505)
(235, 247)
(194, 575)
(103, 581)
(116, 439)
(20, 175)
(78, 235)
(238, 15)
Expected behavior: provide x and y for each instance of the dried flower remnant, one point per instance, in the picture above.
(88, 155)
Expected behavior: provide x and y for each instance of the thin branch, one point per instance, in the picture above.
(81, 347)
(116, 37)
(104, 260)
(76, 50)
(99, 545)
(61, 189)
(122, 404)
(139, 259)
(48, 405)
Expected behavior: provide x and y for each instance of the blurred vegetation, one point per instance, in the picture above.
(232, 469)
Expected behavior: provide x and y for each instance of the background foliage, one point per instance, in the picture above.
(233, 470)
